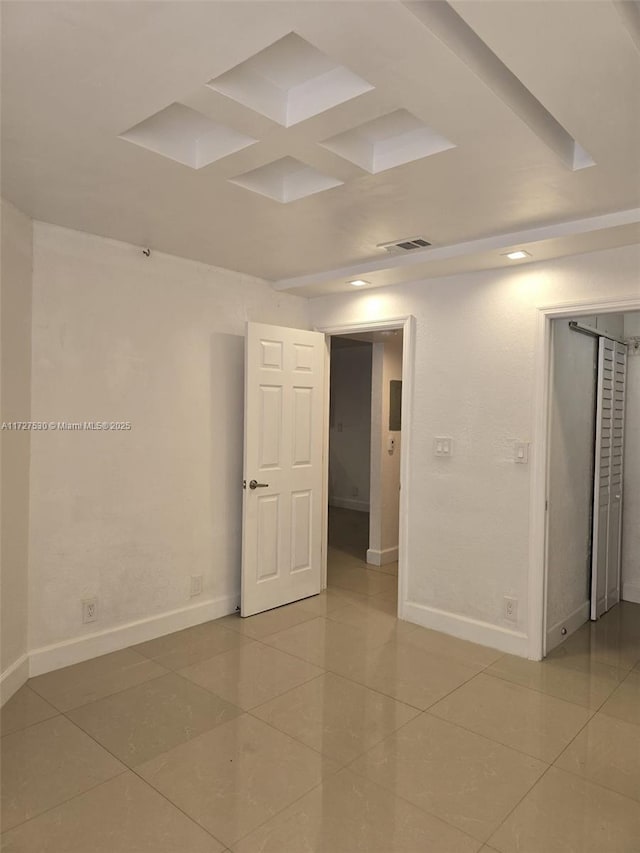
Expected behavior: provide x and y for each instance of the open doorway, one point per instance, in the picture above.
(593, 479)
(364, 464)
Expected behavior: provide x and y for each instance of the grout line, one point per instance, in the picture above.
(70, 799)
(541, 777)
(551, 695)
(285, 693)
(588, 779)
(393, 793)
(146, 781)
(31, 725)
(92, 701)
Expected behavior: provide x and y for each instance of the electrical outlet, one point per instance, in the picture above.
(89, 609)
(355, 492)
(196, 585)
(511, 608)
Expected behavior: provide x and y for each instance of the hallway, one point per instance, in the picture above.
(329, 725)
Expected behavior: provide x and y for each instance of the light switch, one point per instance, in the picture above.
(521, 452)
(443, 446)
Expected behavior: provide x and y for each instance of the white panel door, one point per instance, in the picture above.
(609, 465)
(283, 459)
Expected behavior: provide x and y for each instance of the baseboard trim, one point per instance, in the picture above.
(48, 658)
(631, 592)
(496, 637)
(13, 678)
(382, 558)
(350, 503)
(572, 622)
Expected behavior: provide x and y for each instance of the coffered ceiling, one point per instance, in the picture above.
(288, 140)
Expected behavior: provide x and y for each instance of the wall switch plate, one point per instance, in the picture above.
(521, 452)
(511, 608)
(196, 585)
(89, 609)
(443, 446)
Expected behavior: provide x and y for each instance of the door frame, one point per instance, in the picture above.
(537, 606)
(407, 323)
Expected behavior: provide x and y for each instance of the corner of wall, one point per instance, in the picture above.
(15, 406)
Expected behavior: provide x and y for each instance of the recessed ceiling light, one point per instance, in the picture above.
(359, 282)
(517, 256)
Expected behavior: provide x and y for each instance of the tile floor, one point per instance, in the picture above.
(330, 726)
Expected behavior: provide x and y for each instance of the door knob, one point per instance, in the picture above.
(254, 484)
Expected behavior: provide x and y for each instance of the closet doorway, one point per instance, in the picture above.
(592, 556)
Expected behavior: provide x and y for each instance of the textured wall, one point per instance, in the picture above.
(474, 369)
(129, 516)
(15, 397)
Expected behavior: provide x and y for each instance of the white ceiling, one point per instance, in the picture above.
(506, 84)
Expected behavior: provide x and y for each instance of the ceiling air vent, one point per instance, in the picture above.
(399, 247)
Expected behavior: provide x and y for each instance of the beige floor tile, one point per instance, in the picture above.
(411, 674)
(123, 815)
(388, 569)
(384, 603)
(524, 719)
(375, 624)
(349, 814)
(338, 556)
(335, 716)
(607, 752)
(566, 814)
(360, 580)
(233, 778)
(94, 679)
(144, 721)
(330, 600)
(46, 764)
(24, 709)
(451, 647)
(390, 595)
(464, 779)
(184, 648)
(603, 641)
(624, 702)
(270, 622)
(326, 643)
(251, 674)
(588, 687)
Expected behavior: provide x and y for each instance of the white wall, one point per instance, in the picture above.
(15, 384)
(631, 505)
(468, 517)
(572, 399)
(385, 465)
(130, 516)
(350, 426)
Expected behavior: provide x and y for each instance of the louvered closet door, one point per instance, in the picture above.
(608, 486)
